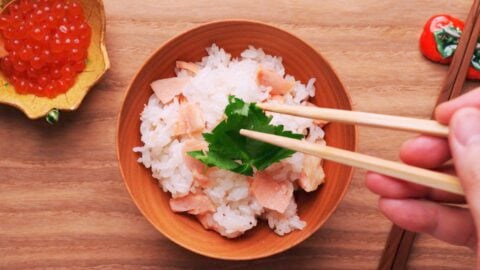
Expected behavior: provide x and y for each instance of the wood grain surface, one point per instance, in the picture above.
(63, 203)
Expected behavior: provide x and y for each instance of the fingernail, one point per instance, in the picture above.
(412, 142)
(466, 126)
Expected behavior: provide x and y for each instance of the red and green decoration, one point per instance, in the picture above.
(439, 40)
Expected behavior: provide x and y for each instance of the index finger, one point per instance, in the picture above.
(445, 111)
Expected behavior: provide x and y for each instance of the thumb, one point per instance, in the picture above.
(465, 146)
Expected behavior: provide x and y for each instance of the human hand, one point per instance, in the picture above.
(422, 209)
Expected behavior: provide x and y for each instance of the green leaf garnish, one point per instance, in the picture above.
(231, 151)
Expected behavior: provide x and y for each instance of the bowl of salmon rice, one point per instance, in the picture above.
(190, 172)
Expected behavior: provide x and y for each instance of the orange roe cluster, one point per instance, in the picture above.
(47, 43)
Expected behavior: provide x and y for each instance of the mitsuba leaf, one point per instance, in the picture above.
(229, 150)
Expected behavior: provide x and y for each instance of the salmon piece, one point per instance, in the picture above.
(201, 179)
(312, 175)
(279, 85)
(199, 170)
(190, 120)
(193, 116)
(209, 223)
(207, 220)
(318, 122)
(279, 98)
(194, 204)
(180, 128)
(189, 66)
(167, 89)
(270, 193)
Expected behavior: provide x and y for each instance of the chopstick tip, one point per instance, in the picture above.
(261, 105)
(250, 133)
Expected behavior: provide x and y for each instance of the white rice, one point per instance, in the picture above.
(237, 210)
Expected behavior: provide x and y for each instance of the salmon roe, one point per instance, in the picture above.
(47, 43)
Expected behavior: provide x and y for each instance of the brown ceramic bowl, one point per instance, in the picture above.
(301, 61)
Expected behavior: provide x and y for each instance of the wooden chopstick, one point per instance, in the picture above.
(361, 118)
(402, 171)
(468, 53)
(400, 241)
(457, 72)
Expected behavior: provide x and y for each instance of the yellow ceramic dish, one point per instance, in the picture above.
(97, 64)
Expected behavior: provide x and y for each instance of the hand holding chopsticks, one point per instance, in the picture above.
(394, 169)
(452, 86)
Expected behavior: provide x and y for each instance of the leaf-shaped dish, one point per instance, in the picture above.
(96, 66)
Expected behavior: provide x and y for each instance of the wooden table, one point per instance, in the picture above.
(63, 203)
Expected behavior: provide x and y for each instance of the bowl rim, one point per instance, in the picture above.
(197, 251)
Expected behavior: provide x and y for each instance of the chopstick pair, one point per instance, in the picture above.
(457, 73)
(399, 170)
